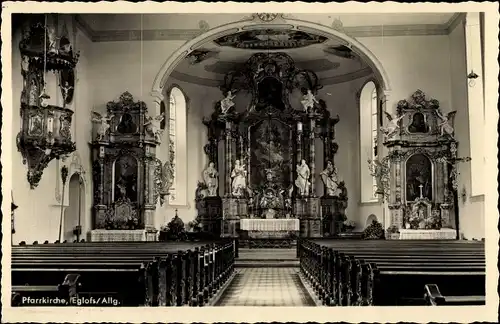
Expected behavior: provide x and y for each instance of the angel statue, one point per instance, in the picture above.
(52, 38)
(392, 127)
(153, 126)
(445, 126)
(308, 100)
(227, 103)
(105, 124)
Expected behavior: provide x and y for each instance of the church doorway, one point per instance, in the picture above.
(74, 213)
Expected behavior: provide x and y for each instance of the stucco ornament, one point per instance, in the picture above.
(266, 17)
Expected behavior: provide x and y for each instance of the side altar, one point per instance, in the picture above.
(265, 181)
(423, 167)
(128, 178)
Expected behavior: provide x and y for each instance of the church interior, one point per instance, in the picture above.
(210, 154)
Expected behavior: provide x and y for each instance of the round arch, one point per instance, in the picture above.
(293, 24)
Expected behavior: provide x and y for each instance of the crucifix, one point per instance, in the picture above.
(454, 171)
(421, 186)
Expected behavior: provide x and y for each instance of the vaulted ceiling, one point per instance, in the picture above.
(328, 58)
(184, 21)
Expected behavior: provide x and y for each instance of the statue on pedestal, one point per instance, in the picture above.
(330, 179)
(211, 181)
(390, 130)
(308, 99)
(105, 124)
(239, 175)
(227, 103)
(302, 181)
(446, 128)
(153, 126)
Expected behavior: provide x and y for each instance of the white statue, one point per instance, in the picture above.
(227, 103)
(44, 99)
(105, 124)
(308, 100)
(445, 126)
(210, 178)
(25, 63)
(302, 181)
(258, 71)
(330, 179)
(51, 34)
(153, 126)
(239, 175)
(392, 127)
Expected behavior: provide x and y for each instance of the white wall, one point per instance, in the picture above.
(38, 215)
(471, 220)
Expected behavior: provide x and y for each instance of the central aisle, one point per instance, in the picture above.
(266, 287)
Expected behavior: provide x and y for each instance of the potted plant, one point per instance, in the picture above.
(374, 231)
(349, 225)
(392, 233)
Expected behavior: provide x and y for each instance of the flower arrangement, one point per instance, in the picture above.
(373, 231)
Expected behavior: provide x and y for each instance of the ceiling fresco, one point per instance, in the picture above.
(270, 39)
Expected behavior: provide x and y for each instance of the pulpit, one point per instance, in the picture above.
(422, 162)
(267, 169)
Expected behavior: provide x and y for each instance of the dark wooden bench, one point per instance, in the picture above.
(433, 297)
(151, 274)
(389, 272)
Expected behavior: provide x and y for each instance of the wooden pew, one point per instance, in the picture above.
(433, 297)
(381, 272)
(143, 273)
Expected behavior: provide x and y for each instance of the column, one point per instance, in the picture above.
(228, 158)
(312, 164)
(326, 149)
(299, 141)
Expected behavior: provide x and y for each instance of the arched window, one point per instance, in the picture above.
(177, 145)
(369, 124)
(476, 97)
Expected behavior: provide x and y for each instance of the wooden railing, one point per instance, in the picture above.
(376, 273)
(137, 274)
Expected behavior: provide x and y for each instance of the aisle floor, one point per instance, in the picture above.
(266, 287)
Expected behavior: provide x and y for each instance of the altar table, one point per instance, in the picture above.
(270, 225)
(442, 234)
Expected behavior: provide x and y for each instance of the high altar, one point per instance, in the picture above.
(267, 172)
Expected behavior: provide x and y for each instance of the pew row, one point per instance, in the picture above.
(135, 274)
(433, 297)
(389, 273)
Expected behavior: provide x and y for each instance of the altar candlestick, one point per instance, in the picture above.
(299, 126)
(312, 157)
(228, 155)
(421, 186)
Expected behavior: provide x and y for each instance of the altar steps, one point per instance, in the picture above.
(266, 258)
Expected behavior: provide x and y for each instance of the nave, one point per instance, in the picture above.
(317, 272)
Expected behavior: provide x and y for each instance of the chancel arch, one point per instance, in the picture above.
(250, 24)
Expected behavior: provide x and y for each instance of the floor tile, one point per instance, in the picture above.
(266, 287)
